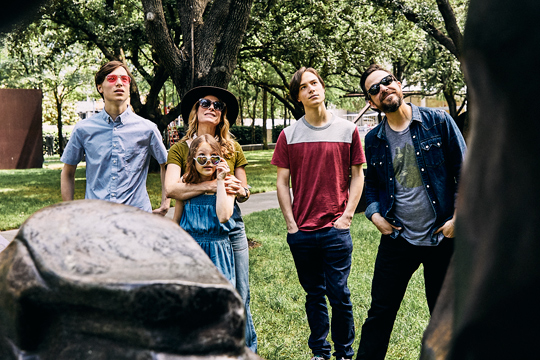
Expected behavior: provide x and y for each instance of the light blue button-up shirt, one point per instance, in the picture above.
(117, 156)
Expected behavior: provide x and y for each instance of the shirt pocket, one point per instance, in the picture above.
(432, 150)
(135, 158)
(379, 164)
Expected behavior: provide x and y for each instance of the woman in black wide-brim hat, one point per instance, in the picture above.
(207, 109)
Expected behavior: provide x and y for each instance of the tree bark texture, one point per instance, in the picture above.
(496, 274)
(218, 30)
(265, 115)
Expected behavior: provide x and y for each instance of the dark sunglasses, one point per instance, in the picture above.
(114, 78)
(203, 160)
(375, 88)
(205, 104)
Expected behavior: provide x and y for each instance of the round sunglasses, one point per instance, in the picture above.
(375, 88)
(205, 104)
(203, 160)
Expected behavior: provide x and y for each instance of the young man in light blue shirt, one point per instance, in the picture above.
(117, 145)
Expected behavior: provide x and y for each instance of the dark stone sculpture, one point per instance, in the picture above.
(495, 310)
(96, 280)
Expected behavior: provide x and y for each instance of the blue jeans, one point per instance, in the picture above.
(241, 264)
(323, 263)
(396, 261)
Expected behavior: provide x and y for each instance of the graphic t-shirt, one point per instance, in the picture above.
(411, 204)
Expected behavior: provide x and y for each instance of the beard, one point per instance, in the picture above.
(392, 105)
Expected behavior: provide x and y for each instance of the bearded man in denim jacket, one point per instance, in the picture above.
(414, 159)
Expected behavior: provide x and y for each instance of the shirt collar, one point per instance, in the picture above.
(415, 117)
(415, 113)
(122, 118)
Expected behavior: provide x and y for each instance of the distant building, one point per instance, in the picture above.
(87, 108)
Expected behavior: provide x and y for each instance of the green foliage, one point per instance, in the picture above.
(246, 135)
(50, 111)
(277, 299)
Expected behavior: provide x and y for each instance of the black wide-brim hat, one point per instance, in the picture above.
(196, 93)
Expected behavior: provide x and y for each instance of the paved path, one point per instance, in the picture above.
(256, 202)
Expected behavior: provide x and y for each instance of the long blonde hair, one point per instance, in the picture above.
(223, 136)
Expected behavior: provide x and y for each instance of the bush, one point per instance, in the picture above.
(50, 142)
(243, 134)
(276, 131)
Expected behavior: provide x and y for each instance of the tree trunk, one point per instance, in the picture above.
(58, 101)
(272, 105)
(253, 116)
(241, 105)
(265, 114)
(218, 28)
(451, 100)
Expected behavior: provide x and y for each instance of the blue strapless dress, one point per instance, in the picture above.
(199, 219)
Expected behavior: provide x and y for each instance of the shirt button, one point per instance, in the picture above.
(114, 145)
(418, 153)
(390, 179)
(114, 178)
(381, 162)
(427, 186)
(114, 161)
(427, 147)
(434, 202)
(391, 196)
(438, 144)
(414, 137)
(422, 169)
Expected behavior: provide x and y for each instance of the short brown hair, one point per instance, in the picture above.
(371, 69)
(106, 69)
(192, 176)
(294, 86)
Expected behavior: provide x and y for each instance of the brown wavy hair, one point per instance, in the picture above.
(192, 176)
(223, 136)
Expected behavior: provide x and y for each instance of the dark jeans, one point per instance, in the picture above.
(323, 263)
(396, 261)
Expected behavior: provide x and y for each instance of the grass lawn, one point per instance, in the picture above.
(277, 299)
(23, 192)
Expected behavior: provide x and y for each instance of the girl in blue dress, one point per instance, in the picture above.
(207, 217)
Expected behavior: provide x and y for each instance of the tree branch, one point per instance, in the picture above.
(429, 28)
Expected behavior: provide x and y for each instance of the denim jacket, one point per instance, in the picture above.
(440, 150)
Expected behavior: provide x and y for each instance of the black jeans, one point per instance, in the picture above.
(396, 261)
(323, 263)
